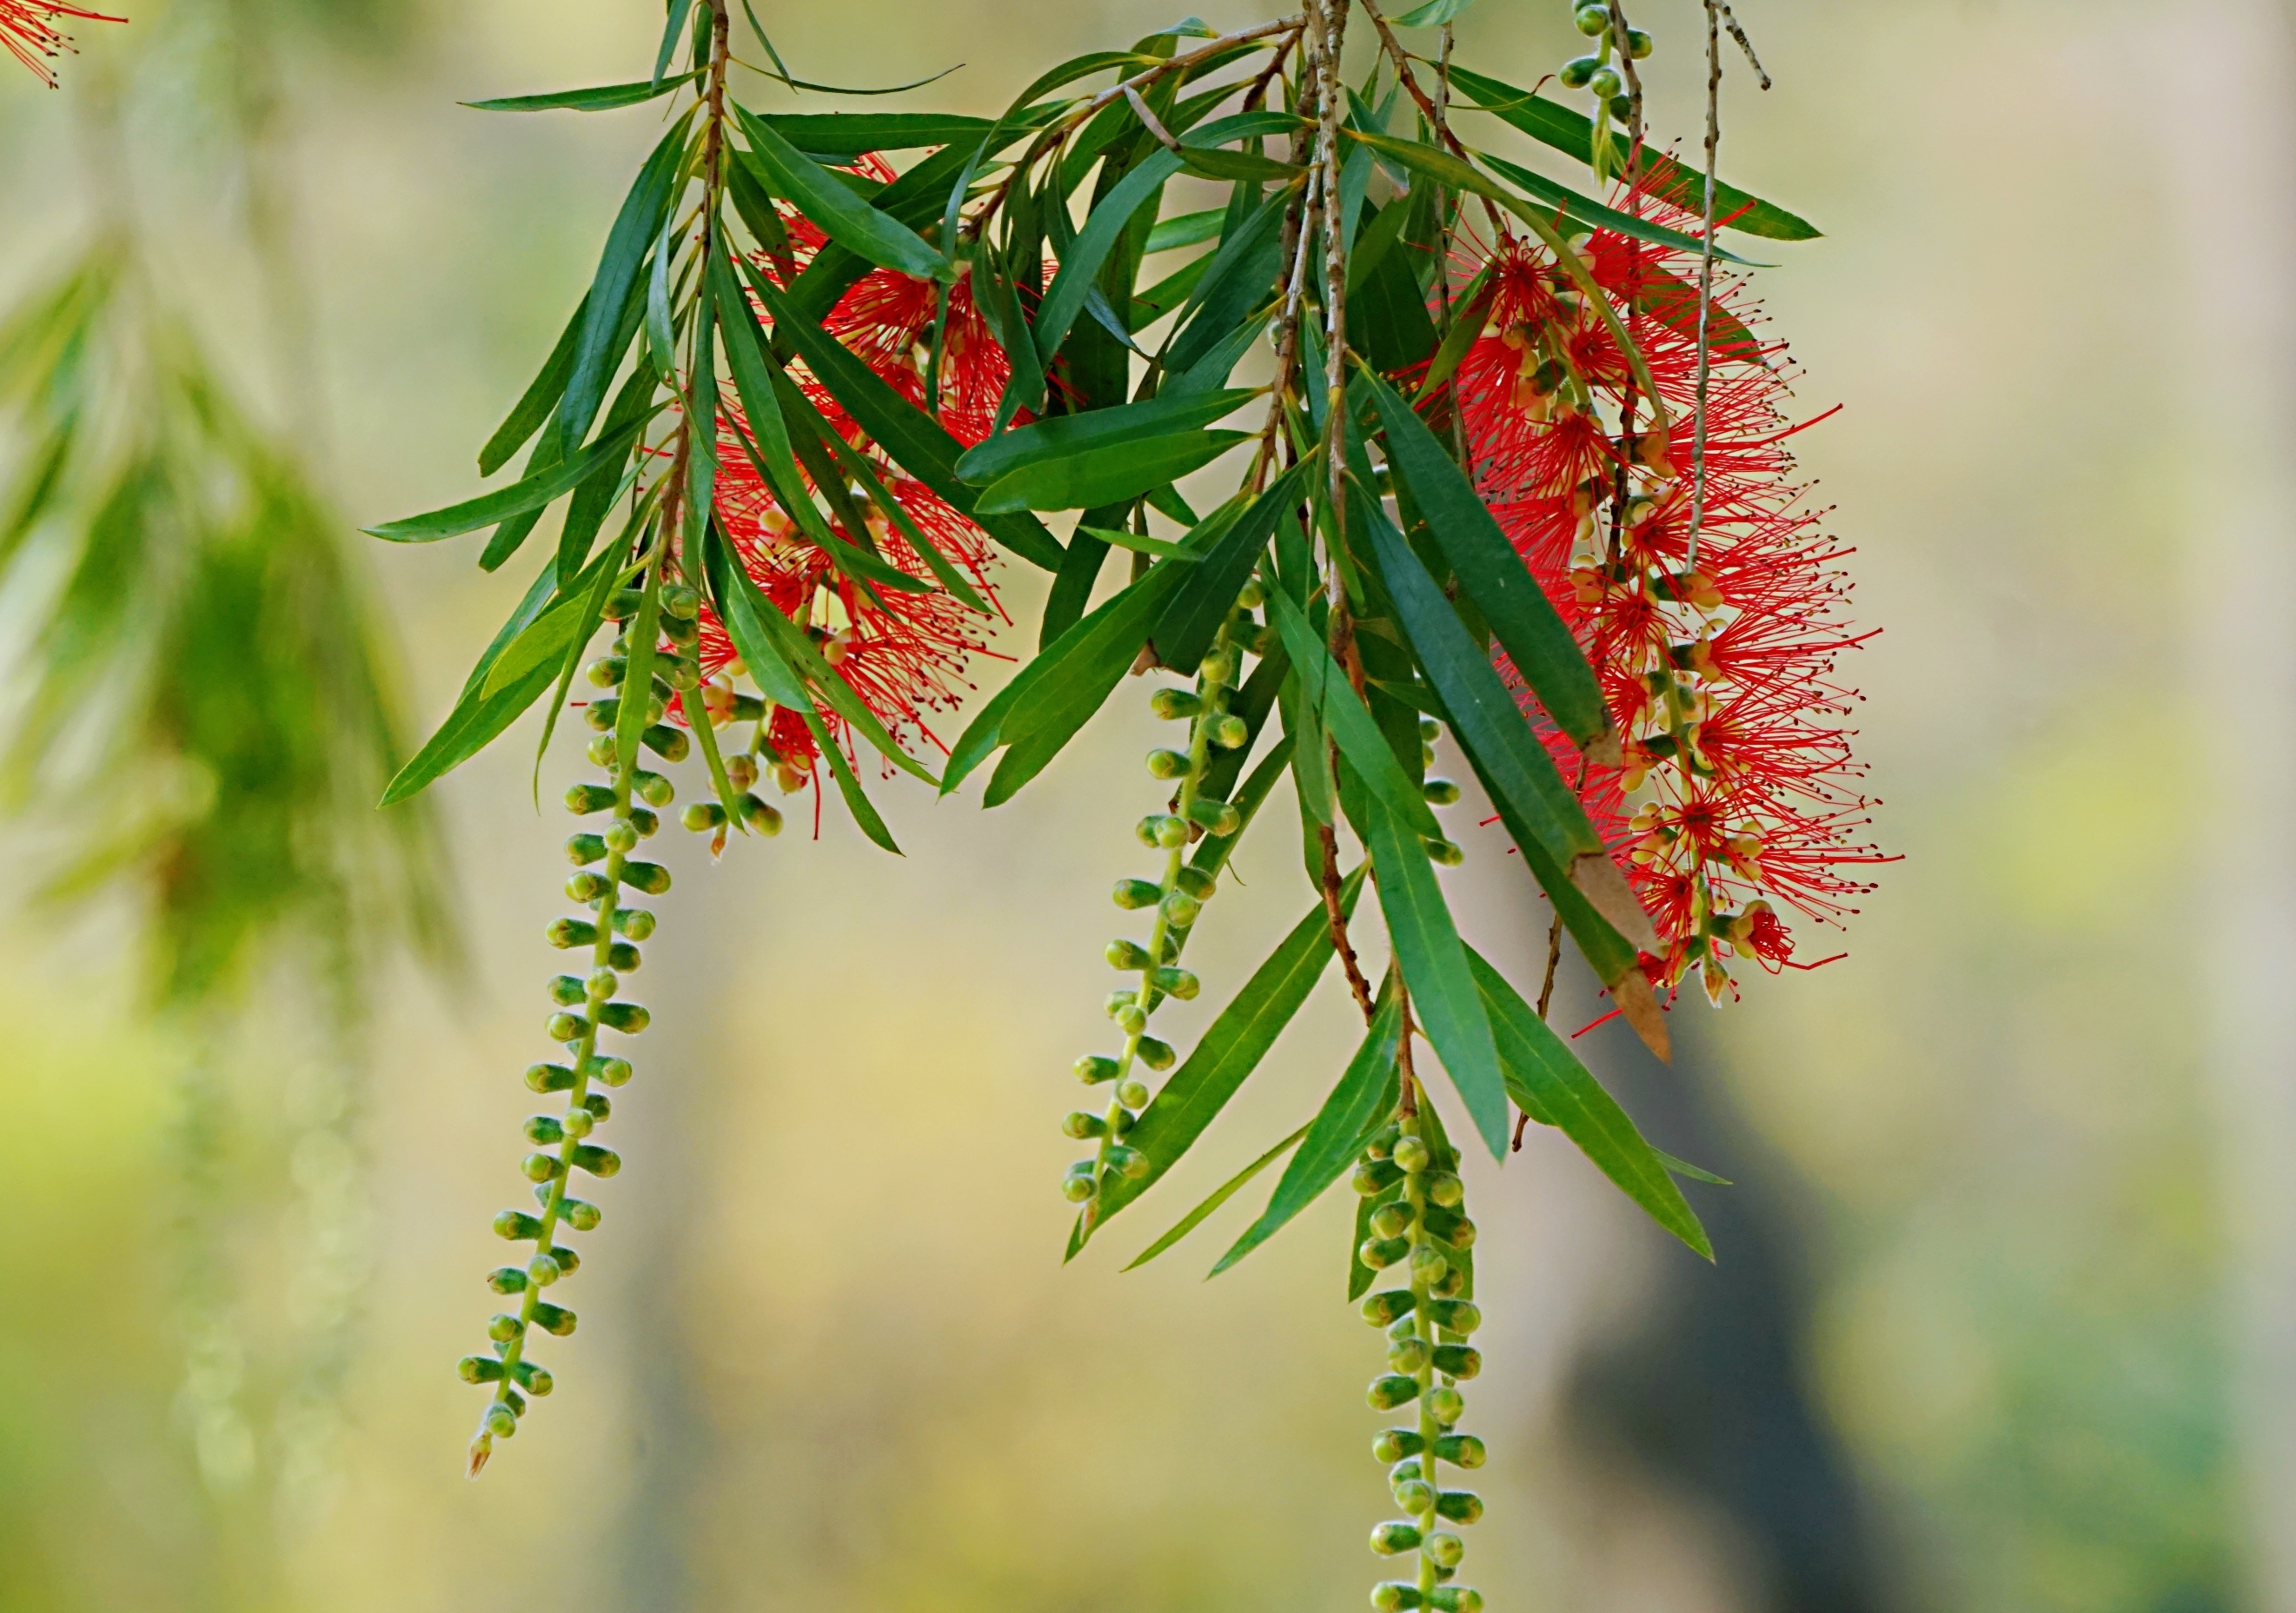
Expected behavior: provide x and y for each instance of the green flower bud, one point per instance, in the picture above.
(635, 922)
(622, 835)
(1128, 1162)
(566, 991)
(1218, 817)
(1392, 1539)
(1604, 83)
(1393, 1443)
(506, 1280)
(1127, 956)
(600, 983)
(1448, 1406)
(566, 1260)
(1080, 1183)
(500, 1421)
(601, 750)
(543, 1270)
(1445, 1189)
(584, 798)
(583, 849)
(587, 887)
(1452, 1228)
(1084, 1127)
(623, 604)
(1156, 1054)
(516, 1226)
(1577, 72)
(540, 1168)
(564, 933)
(565, 1027)
(1173, 704)
(1410, 1467)
(1427, 1264)
(1444, 853)
(608, 1072)
(1218, 669)
(554, 1319)
(623, 957)
(652, 788)
(1393, 1596)
(1411, 1154)
(652, 878)
(1456, 1599)
(1231, 732)
(478, 1368)
(681, 602)
(1132, 1095)
(1171, 832)
(1413, 1495)
(1460, 1506)
(534, 1380)
(1180, 910)
(1391, 1391)
(598, 1161)
(1196, 882)
(1592, 21)
(1168, 951)
(666, 742)
(545, 1130)
(1458, 1360)
(602, 714)
(1380, 1253)
(1093, 1069)
(1455, 1282)
(628, 1017)
(581, 1215)
(1390, 1220)
(577, 1123)
(1459, 1315)
(1407, 1353)
(1638, 43)
(1382, 1143)
(1388, 1305)
(504, 1327)
(1441, 792)
(678, 673)
(747, 709)
(1460, 1450)
(645, 823)
(1178, 982)
(1445, 1550)
(1166, 764)
(1132, 1019)
(760, 814)
(1622, 108)
(607, 671)
(1376, 1176)
(702, 815)
(1133, 894)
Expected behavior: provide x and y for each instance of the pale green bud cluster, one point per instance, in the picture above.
(1597, 72)
(1416, 1222)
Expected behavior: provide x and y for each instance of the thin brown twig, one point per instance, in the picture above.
(1330, 93)
(1620, 30)
(1401, 58)
(1328, 839)
(1730, 22)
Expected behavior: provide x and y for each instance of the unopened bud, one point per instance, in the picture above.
(565, 1027)
(607, 671)
(506, 1280)
(1393, 1539)
(1133, 894)
(1410, 1154)
(1231, 732)
(1084, 1127)
(1456, 1599)
(1460, 1506)
(1128, 1162)
(1446, 852)
(1393, 1596)
(1173, 704)
(1460, 1361)
(1178, 982)
(1445, 1189)
(504, 1327)
(628, 1017)
(1197, 883)
(566, 991)
(584, 798)
(681, 600)
(1093, 1069)
(1132, 1095)
(577, 1123)
(1460, 1450)
(603, 714)
(635, 922)
(564, 933)
(652, 878)
(598, 1161)
(1388, 1305)
(1390, 1391)
(1459, 1315)
(653, 789)
(1413, 1495)
(480, 1369)
(1132, 1019)
(1380, 1253)
(587, 887)
(1445, 1550)
(1128, 955)
(622, 836)
(555, 1319)
(534, 1380)
(581, 1215)
(541, 1168)
(1407, 1353)
(1452, 1228)
(549, 1077)
(1427, 1264)
(1166, 764)
(600, 750)
(500, 1421)
(608, 1072)
(1441, 792)
(1393, 1443)
(543, 1270)
(544, 1130)
(622, 955)
(1390, 1220)
(1218, 817)
(1448, 1406)
(1154, 1054)
(583, 849)
(1376, 1176)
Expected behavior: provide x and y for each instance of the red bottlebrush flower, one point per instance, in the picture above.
(28, 28)
(1737, 796)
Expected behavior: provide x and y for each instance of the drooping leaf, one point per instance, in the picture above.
(673, 27)
(604, 98)
(534, 492)
(1140, 543)
(1220, 1195)
(1088, 478)
(1237, 281)
(473, 725)
(1068, 434)
(597, 352)
(1323, 689)
(848, 220)
(851, 133)
(541, 397)
(1594, 215)
(1184, 634)
(1433, 13)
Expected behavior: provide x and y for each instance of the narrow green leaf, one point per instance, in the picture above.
(541, 397)
(1226, 1055)
(1364, 1095)
(1092, 477)
(1543, 1074)
(1067, 434)
(1592, 214)
(1324, 690)
(672, 29)
(1184, 634)
(1684, 1167)
(604, 98)
(1521, 616)
(1187, 230)
(1469, 314)
(847, 219)
(1434, 964)
(1238, 281)
(512, 535)
(1140, 543)
(848, 89)
(851, 133)
(597, 352)
(1434, 13)
(544, 642)
(1064, 299)
(1226, 1190)
(534, 492)
(590, 589)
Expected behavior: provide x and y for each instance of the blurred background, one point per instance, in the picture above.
(2004, 1312)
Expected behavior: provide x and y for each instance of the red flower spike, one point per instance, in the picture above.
(1737, 795)
(28, 28)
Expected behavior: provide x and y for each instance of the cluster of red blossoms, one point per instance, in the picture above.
(28, 28)
(1736, 795)
(905, 654)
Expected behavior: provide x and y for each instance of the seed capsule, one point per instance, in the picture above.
(545, 1130)
(587, 887)
(1445, 1550)
(1448, 1405)
(1460, 1450)
(1128, 955)
(1173, 704)
(1445, 1189)
(566, 991)
(1388, 1305)
(1084, 1127)
(1461, 1361)
(1135, 894)
(504, 1327)
(1460, 1506)
(1231, 732)
(555, 1319)
(1456, 1599)
(1178, 982)
(1410, 1154)
(1154, 1054)
(581, 1215)
(1132, 1095)
(629, 1018)
(651, 878)
(1459, 1315)
(565, 1027)
(1408, 1354)
(1393, 1596)
(1392, 1539)
(1394, 1443)
(478, 1368)
(564, 933)
(1376, 1176)
(1390, 1220)
(1388, 1392)
(1413, 1495)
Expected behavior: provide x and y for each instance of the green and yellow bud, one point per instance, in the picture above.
(1462, 1361)
(701, 816)
(1388, 1306)
(1445, 1189)
(1445, 1550)
(1427, 1264)
(543, 1270)
(565, 1027)
(1390, 1220)
(598, 1161)
(1407, 1353)
(584, 849)
(628, 1017)
(1128, 1162)
(565, 933)
(1132, 1095)
(583, 799)
(587, 887)
(1084, 1127)
(506, 1280)
(1128, 955)
(504, 1327)
(1180, 910)
(1448, 1405)
(1196, 882)
(1393, 1539)
(581, 1215)
(1444, 853)
(1393, 1389)
(1460, 1506)
(652, 788)
(1393, 1596)
(607, 1072)
(1171, 832)
(517, 1226)
(566, 991)
(1166, 764)
(1174, 704)
(1459, 1315)
(652, 878)
(1460, 1450)
(577, 1123)
(478, 1368)
(1456, 1599)
(1376, 1176)
(1410, 1154)
(1413, 1495)
(1231, 732)
(1441, 792)
(544, 1130)
(1177, 984)
(534, 1379)
(635, 922)
(1132, 895)
(1154, 1054)
(1380, 1253)
(554, 1319)
(1393, 1443)
(541, 1166)
(608, 671)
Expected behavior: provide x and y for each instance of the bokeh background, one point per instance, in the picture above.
(2004, 1312)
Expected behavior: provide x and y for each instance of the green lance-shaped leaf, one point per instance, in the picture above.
(1573, 135)
(1000, 305)
(1510, 599)
(1546, 1080)
(1220, 1195)
(534, 492)
(1364, 1095)
(604, 98)
(544, 642)
(510, 536)
(1094, 477)
(844, 218)
(1140, 543)
(1469, 316)
(1434, 13)
(1184, 634)
(1434, 963)
(1186, 229)
(1066, 435)
(1485, 717)
(1224, 1058)
(540, 397)
(1594, 215)
(672, 27)
(797, 650)
(1238, 281)
(597, 352)
(603, 576)
(851, 133)
(1326, 691)
(916, 441)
